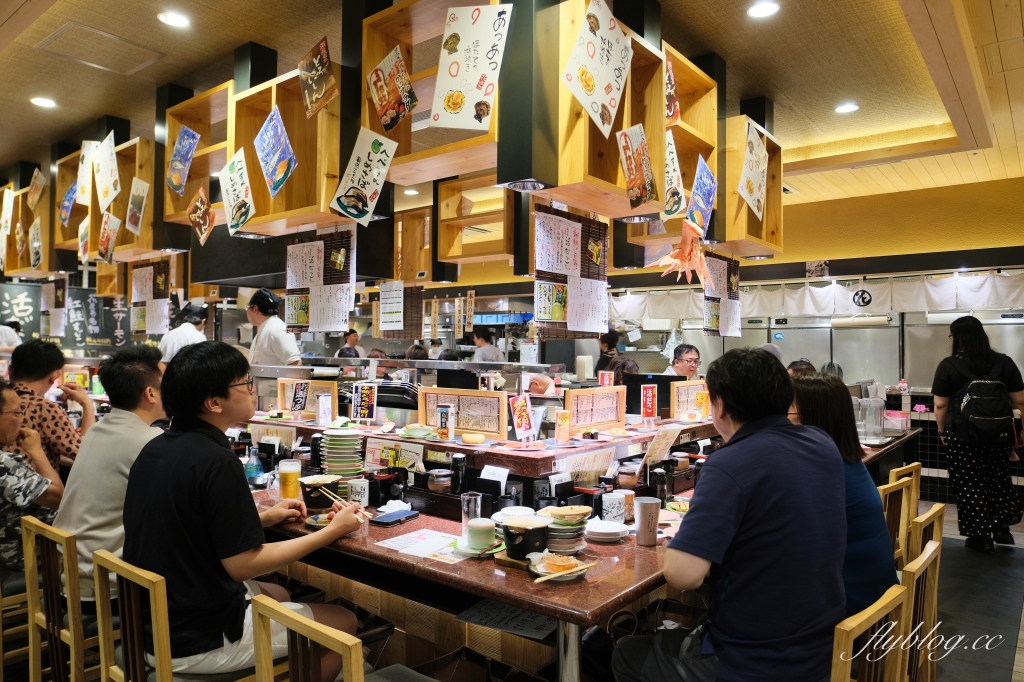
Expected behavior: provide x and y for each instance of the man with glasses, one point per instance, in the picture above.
(685, 362)
(189, 516)
(28, 486)
(94, 499)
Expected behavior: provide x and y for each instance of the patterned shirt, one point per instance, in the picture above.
(58, 435)
(20, 486)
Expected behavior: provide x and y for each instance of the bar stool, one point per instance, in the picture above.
(913, 472)
(926, 527)
(305, 637)
(127, 663)
(55, 552)
(891, 607)
(896, 506)
(13, 605)
(921, 578)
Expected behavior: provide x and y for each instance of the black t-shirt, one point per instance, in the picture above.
(187, 507)
(602, 362)
(949, 382)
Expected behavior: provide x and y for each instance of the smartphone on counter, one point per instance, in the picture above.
(394, 518)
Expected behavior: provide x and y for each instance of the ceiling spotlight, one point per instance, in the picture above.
(411, 192)
(761, 10)
(173, 19)
(43, 102)
(759, 257)
(847, 108)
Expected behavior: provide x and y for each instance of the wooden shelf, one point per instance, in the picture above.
(688, 138)
(466, 203)
(482, 218)
(210, 160)
(745, 235)
(111, 280)
(304, 201)
(412, 235)
(20, 265)
(638, 233)
(66, 237)
(424, 83)
(135, 159)
(696, 132)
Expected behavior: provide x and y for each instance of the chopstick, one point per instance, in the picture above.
(497, 543)
(581, 567)
(334, 497)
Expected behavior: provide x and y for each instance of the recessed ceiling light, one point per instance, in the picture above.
(846, 108)
(43, 102)
(761, 10)
(173, 19)
(938, 123)
(411, 192)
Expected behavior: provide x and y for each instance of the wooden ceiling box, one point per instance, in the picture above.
(134, 160)
(431, 153)
(412, 235)
(474, 220)
(111, 280)
(22, 217)
(66, 236)
(304, 200)
(201, 114)
(745, 235)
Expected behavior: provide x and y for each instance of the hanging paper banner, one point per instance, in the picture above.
(316, 79)
(201, 215)
(754, 178)
(588, 306)
(467, 71)
(181, 159)
(67, 204)
(136, 205)
(329, 307)
(598, 66)
(435, 329)
(636, 162)
(104, 165)
(84, 185)
(108, 237)
(304, 265)
(671, 98)
(391, 90)
(274, 151)
(376, 319)
(35, 189)
(674, 192)
(157, 316)
(460, 330)
(364, 176)
(470, 309)
(392, 305)
(234, 186)
(702, 198)
(83, 241)
(557, 244)
(6, 212)
(35, 243)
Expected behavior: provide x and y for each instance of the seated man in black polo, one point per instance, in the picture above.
(768, 520)
(189, 516)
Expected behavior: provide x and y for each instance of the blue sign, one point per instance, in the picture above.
(778, 336)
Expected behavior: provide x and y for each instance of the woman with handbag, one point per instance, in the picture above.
(976, 390)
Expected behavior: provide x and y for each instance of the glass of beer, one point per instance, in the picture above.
(290, 470)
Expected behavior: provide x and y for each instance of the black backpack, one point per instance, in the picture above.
(982, 412)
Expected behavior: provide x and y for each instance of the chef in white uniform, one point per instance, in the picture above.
(486, 351)
(190, 331)
(273, 344)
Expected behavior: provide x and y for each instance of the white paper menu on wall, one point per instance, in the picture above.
(467, 70)
(588, 306)
(142, 284)
(305, 265)
(729, 317)
(598, 65)
(329, 307)
(716, 284)
(392, 305)
(557, 244)
(157, 316)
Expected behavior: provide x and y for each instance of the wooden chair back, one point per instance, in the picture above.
(896, 506)
(921, 578)
(13, 617)
(55, 552)
(924, 528)
(887, 615)
(913, 472)
(305, 637)
(133, 585)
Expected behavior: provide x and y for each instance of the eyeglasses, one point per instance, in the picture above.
(694, 363)
(249, 382)
(20, 413)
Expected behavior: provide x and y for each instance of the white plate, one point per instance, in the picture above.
(541, 569)
(579, 548)
(462, 547)
(606, 527)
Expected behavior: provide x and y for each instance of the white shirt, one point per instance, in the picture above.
(670, 372)
(273, 344)
(93, 500)
(434, 353)
(488, 353)
(8, 337)
(176, 339)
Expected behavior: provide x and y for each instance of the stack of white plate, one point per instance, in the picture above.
(342, 454)
(564, 538)
(606, 531)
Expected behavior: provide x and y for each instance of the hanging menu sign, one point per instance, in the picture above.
(392, 305)
(636, 163)
(459, 328)
(557, 244)
(470, 309)
(104, 164)
(391, 90)
(142, 284)
(375, 320)
(316, 79)
(35, 189)
(305, 265)
(84, 184)
(329, 307)
(435, 329)
(6, 212)
(753, 179)
(364, 176)
(674, 192)
(588, 306)
(237, 192)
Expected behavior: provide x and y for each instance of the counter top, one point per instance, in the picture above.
(871, 454)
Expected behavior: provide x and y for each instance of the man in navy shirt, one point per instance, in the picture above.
(768, 521)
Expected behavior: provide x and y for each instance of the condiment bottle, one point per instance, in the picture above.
(458, 473)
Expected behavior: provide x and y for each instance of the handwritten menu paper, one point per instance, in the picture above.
(557, 244)
(157, 316)
(549, 301)
(237, 192)
(364, 175)
(6, 212)
(391, 90)
(200, 214)
(47, 295)
(470, 310)
(104, 165)
(716, 285)
(329, 307)
(142, 284)
(588, 306)
(479, 414)
(729, 317)
(392, 305)
(84, 185)
(375, 319)
(702, 198)
(316, 79)
(598, 65)
(136, 205)
(467, 71)
(35, 189)
(459, 327)
(636, 163)
(674, 192)
(181, 159)
(58, 319)
(753, 179)
(304, 265)
(508, 618)
(663, 441)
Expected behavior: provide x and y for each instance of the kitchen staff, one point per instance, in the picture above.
(193, 323)
(685, 362)
(485, 350)
(273, 344)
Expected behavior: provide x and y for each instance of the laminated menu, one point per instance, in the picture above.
(636, 163)
(237, 192)
(316, 79)
(67, 203)
(200, 214)
(702, 197)
(35, 243)
(522, 415)
(136, 205)
(391, 90)
(108, 237)
(557, 244)
(35, 189)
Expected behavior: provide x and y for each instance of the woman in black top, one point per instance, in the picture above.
(986, 501)
(609, 349)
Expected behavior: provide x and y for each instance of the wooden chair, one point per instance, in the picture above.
(55, 552)
(896, 505)
(887, 615)
(913, 472)
(305, 637)
(132, 585)
(921, 578)
(924, 528)
(13, 619)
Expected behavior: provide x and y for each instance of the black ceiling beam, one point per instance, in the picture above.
(761, 111)
(643, 17)
(254, 64)
(20, 173)
(713, 65)
(439, 272)
(166, 236)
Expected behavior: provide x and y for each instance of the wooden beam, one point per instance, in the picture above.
(888, 154)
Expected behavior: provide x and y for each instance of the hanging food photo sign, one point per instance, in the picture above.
(636, 163)
(274, 151)
(234, 186)
(316, 78)
(598, 65)
(467, 71)
(364, 176)
(754, 178)
(391, 90)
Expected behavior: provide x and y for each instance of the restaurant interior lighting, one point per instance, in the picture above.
(861, 321)
(43, 102)
(411, 192)
(174, 19)
(763, 256)
(847, 108)
(761, 10)
(249, 235)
